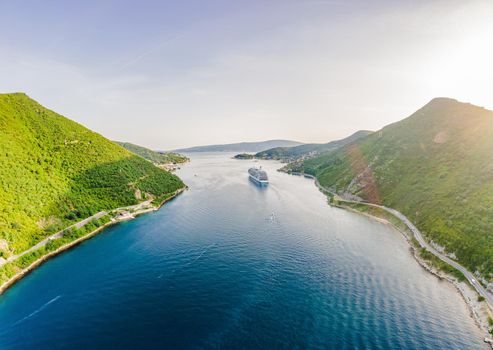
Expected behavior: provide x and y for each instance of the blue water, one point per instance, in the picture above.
(231, 265)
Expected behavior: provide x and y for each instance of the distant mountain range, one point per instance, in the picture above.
(435, 166)
(242, 146)
(310, 149)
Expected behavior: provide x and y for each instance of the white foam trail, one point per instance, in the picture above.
(190, 262)
(200, 255)
(271, 218)
(38, 310)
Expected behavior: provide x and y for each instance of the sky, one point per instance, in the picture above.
(171, 74)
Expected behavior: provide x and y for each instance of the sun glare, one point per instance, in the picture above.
(464, 69)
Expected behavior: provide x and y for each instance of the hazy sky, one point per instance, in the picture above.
(167, 74)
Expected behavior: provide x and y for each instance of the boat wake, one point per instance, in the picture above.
(38, 310)
(190, 263)
(272, 218)
(205, 250)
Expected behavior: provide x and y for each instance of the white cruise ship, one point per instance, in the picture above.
(258, 176)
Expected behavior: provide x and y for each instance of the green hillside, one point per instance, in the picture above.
(153, 156)
(244, 156)
(53, 172)
(436, 167)
(311, 149)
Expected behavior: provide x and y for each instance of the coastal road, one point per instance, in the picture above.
(77, 225)
(59, 234)
(423, 243)
(419, 237)
(135, 207)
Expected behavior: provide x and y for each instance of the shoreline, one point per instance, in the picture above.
(475, 307)
(479, 311)
(38, 262)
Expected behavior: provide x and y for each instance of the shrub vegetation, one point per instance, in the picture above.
(153, 156)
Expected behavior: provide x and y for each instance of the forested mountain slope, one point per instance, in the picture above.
(153, 156)
(295, 152)
(436, 167)
(54, 172)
